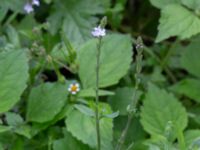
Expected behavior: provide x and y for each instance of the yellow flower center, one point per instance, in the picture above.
(74, 88)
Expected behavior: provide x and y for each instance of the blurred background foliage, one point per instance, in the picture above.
(57, 29)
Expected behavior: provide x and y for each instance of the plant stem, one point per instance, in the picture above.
(97, 95)
(181, 140)
(132, 108)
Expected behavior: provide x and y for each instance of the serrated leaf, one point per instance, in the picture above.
(69, 143)
(75, 17)
(83, 127)
(160, 110)
(114, 61)
(13, 77)
(190, 58)
(177, 21)
(46, 101)
(122, 98)
(163, 3)
(188, 87)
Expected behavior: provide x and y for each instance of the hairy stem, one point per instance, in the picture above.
(97, 95)
(132, 108)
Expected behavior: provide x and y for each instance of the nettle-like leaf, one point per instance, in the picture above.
(192, 139)
(163, 3)
(190, 58)
(13, 77)
(115, 59)
(69, 143)
(83, 127)
(123, 98)
(188, 87)
(46, 101)
(76, 18)
(161, 112)
(177, 20)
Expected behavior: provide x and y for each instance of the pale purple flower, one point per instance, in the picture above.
(36, 2)
(98, 32)
(28, 8)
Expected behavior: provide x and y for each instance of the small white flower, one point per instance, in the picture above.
(74, 88)
(28, 8)
(98, 32)
(36, 2)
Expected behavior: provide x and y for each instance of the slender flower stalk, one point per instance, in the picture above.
(98, 32)
(133, 105)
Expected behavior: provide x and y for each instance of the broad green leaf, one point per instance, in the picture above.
(163, 3)
(83, 127)
(46, 101)
(69, 143)
(13, 36)
(188, 87)
(13, 77)
(193, 4)
(162, 113)
(92, 93)
(114, 61)
(135, 134)
(190, 58)
(192, 139)
(123, 97)
(76, 18)
(177, 21)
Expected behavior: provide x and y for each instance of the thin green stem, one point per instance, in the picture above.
(97, 95)
(132, 108)
(181, 140)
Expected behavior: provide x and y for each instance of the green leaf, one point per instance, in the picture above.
(13, 77)
(85, 110)
(163, 3)
(192, 139)
(4, 128)
(46, 101)
(114, 61)
(162, 113)
(177, 21)
(3, 12)
(123, 98)
(76, 18)
(188, 87)
(69, 143)
(83, 127)
(190, 58)
(14, 119)
(192, 4)
(92, 93)
(112, 116)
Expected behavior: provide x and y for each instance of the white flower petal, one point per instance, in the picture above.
(36, 2)
(28, 8)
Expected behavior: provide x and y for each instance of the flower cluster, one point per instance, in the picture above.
(28, 7)
(98, 32)
(74, 88)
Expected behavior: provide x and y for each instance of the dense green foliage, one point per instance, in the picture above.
(45, 51)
